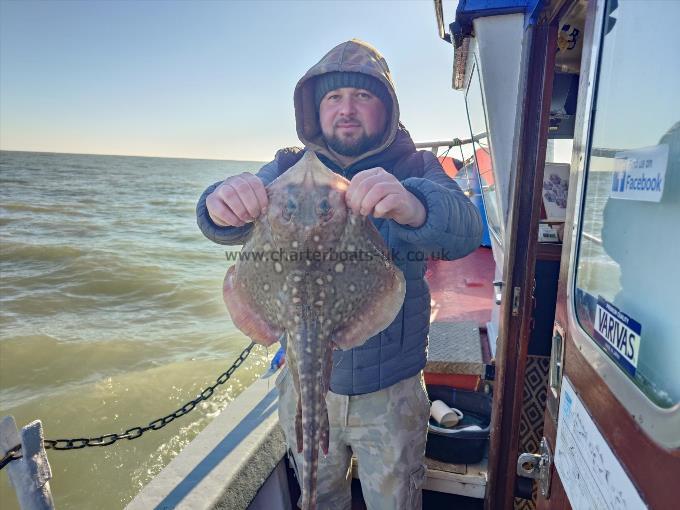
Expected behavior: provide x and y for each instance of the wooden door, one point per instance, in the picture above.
(612, 421)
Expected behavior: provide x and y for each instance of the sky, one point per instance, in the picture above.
(210, 79)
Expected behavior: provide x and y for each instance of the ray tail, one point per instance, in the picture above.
(312, 354)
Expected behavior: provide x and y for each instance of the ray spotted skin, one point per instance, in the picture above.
(319, 274)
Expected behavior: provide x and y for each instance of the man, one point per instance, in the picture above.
(347, 112)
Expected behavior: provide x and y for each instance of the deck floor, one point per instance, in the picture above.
(462, 290)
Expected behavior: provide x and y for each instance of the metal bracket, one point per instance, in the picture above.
(537, 467)
(516, 293)
(498, 284)
(439, 14)
(556, 370)
(556, 359)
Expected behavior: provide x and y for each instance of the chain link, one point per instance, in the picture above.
(12, 454)
(134, 432)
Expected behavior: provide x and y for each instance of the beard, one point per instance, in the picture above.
(353, 147)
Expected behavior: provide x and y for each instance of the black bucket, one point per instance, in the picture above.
(461, 444)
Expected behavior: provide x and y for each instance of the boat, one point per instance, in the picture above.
(567, 111)
(570, 306)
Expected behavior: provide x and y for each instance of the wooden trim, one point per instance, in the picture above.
(549, 251)
(520, 265)
(558, 499)
(555, 10)
(579, 148)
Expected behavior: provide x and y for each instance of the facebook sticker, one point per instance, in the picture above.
(618, 180)
(640, 174)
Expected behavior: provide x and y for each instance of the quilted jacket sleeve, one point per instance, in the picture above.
(232, 235)
(453, 226)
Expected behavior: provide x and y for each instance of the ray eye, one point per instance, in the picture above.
(289, 209)
(324, 207)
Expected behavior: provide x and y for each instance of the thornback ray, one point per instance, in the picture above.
(313, 270)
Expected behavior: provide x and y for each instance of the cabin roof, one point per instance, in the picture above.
(469, 10)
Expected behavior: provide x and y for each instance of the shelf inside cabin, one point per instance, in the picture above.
(462, 479)
(548, 251)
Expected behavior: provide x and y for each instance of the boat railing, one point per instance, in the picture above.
(456, 142)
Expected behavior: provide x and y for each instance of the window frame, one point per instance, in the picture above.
(660, 424)
(497, 235)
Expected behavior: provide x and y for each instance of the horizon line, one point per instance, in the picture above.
(131, 155)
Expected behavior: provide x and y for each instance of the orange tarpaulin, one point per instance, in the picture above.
(452, 166)
(484, 162)
(449, 165)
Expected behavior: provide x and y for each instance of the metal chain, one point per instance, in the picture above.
(12, 454)
(134, 432)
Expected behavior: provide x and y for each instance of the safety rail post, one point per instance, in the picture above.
(29, 475)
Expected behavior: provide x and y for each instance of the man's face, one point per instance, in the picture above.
(352, 120)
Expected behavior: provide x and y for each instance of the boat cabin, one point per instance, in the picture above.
(560, 334)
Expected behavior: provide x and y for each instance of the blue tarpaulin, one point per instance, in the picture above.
(470, 9)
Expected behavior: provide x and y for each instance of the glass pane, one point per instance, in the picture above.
(627, 279)
(480, 135)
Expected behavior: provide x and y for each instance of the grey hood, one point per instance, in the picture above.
(353, 56)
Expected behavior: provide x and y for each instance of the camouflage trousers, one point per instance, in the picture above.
(385, 430)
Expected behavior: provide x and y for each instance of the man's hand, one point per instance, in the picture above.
(240, 199)
(378, 193)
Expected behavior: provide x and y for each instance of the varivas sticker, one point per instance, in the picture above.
(618, 334)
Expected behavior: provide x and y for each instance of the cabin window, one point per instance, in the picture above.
(627, 285)
(479, 132)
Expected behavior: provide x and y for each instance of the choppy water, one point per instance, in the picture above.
(110, 312)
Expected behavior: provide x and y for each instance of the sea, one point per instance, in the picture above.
(111, 313)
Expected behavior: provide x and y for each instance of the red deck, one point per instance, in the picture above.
(462, 290)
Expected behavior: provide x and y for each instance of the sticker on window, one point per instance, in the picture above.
(618, 334)
(640, 174)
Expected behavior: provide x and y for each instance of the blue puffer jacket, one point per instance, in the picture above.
(451, 230)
